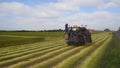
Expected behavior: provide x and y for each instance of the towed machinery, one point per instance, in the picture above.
(76, 35)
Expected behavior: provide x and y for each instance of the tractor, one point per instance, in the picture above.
(75, 35)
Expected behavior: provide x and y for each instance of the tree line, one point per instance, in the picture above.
(54, 30)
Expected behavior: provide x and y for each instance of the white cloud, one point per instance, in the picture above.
(83, 2)
(49, 10)
(24, 10)
(97, 20)
(110, 4)
(3, 14)
(52, 14)
(14, 7)
(117, 2)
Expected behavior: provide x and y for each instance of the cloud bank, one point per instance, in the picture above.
(53, 15)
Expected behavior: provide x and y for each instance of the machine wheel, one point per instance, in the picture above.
(81, 40)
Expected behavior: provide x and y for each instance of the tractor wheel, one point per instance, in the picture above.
(68, 44)
(81, 40)
(90, 40)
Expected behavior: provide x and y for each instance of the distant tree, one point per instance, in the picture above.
(107, 30)
(119, 29)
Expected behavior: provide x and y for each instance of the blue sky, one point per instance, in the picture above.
(53, 14)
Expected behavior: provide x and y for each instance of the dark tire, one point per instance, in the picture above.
(89, 40)
(81, 40)
(68, 44)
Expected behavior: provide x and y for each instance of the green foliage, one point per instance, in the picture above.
(107, 30)
(111, 57)
(119, 29)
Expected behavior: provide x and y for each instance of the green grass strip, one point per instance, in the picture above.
(27, 49)
(24, 57)
(92, 60)
(111, 56)
(57, 58)
(27, 46)
(24, 64)
(26, 52)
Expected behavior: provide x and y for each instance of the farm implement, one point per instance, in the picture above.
(75, 35)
